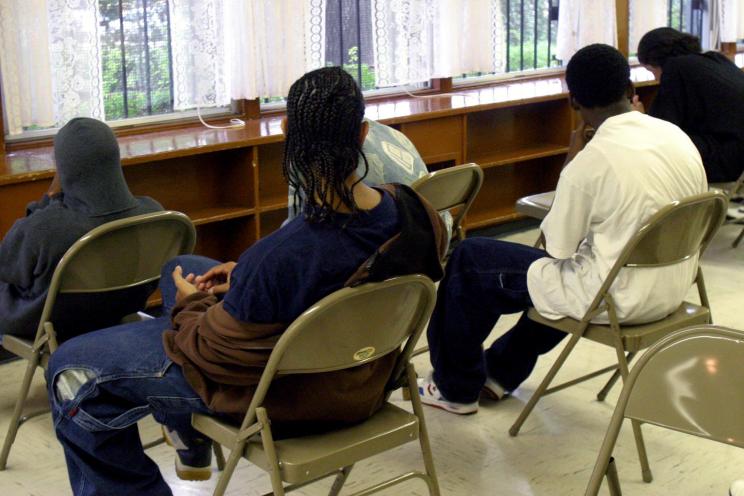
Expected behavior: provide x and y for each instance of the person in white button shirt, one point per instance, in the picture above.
(633, 166)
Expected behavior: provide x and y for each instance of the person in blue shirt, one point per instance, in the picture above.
(208, 355)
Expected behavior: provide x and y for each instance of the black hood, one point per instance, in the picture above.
(89, 168)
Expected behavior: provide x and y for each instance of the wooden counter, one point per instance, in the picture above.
(230, 182)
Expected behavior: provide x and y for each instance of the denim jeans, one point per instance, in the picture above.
(485, 279)
(102, 383)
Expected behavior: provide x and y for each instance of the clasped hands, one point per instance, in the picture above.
(215, 281)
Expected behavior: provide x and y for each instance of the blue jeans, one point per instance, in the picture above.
(102, 383)
(485, 279)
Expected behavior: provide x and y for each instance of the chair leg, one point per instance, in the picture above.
(277, 485)
(219, 456)
(642, 456)
(615, 376)
(738, 239)
(540, 391)
(340, 480)
(15, 419)
(418, 410)
(613, 482)
(637, 434)
(232, 462)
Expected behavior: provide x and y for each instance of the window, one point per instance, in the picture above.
(529, 36)
(136, 58)
(687, 16)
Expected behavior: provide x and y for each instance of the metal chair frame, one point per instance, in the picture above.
(615, 334)
(64, 281)
(641, 380)
(296, 353)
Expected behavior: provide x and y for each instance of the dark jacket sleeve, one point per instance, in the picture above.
(672, 99)
(19, 258)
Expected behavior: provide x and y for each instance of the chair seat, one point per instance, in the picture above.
(635, 337)
(535, 206)
(307, 458)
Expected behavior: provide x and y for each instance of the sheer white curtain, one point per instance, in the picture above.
(469, 37)
(50, 62)
(583, 22)
(725, 16)
(416, 40)
(271, 43)
(646, 15)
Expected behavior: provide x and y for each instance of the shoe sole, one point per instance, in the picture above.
(186, 472)
(446, 408)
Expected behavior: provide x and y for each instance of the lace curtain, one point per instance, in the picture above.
(726, 18)
(583, 22)
(416, 40)
(49, 56)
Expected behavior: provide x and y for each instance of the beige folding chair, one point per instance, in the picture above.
(452, 189)
(119, 255)
(535, 206)
(348, 328)
(732, 190)
(690, 382)
(674, 234)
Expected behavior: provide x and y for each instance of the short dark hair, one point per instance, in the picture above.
(325, 110)
(659, 45)
(597, 76)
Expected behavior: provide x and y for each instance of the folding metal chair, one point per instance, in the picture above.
(348, 328)
(689, 382)
(119, 255)
(674, 234)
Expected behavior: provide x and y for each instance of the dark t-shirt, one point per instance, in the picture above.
(285, 273)
(704, 95)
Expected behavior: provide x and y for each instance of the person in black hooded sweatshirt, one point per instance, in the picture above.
(702, 93)
(88, 190)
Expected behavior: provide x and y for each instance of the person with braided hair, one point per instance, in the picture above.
(702, 93)
(224, 319)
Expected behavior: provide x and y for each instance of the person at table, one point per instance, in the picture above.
(633, 166)
(226, 318)
(702, 93)
(88, 190)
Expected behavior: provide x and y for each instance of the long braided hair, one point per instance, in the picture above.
(325, 109)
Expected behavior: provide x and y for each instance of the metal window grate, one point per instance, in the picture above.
(531, 28)
(349, 39)
(687, 16)
(136, 58)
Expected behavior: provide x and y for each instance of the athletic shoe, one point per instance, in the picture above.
(431, 396)
(192, 464)
(737, 488)
(492, 390)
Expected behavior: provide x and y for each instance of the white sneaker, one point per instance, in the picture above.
(492, 390)
(431, 396)
(737, 488)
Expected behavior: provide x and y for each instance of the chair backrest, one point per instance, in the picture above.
(676, 232)
(451, 189)
(121, 254)
(691, 381)
(351, 327)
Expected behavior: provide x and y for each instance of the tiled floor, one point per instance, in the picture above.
(553, 456)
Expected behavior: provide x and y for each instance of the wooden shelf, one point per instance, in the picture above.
(273, 207)
(215, 214)
(508, 157)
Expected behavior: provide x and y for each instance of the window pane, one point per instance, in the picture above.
(136, 58)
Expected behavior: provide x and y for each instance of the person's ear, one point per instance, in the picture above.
(363, 132)
(284, 125)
